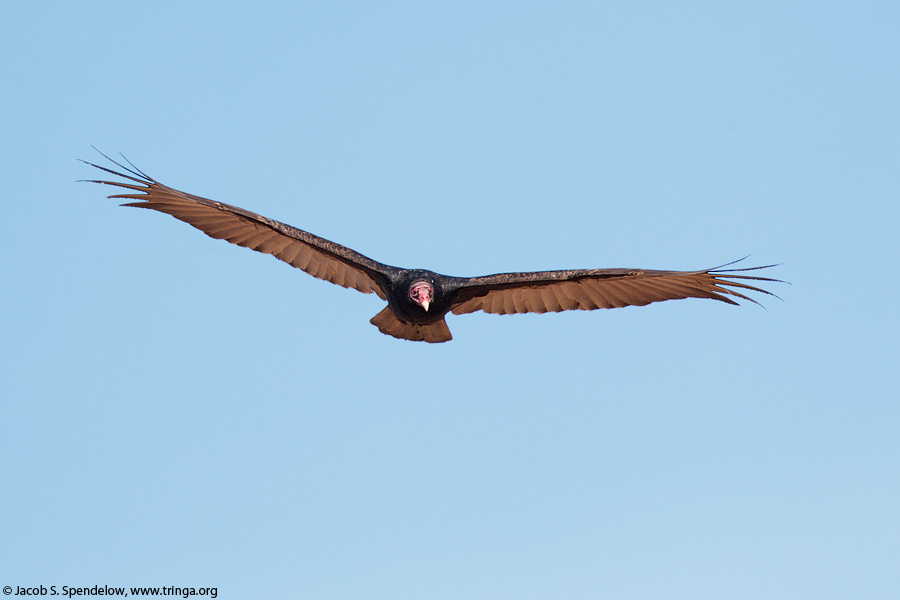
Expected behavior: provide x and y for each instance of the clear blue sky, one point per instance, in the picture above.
(180, 411)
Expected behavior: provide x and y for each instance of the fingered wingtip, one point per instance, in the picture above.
(131, 168)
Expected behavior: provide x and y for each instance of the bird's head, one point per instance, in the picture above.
(422, 293)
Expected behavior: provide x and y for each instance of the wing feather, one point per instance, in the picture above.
(317, 256)
(589, 289)
(628, 294)
(582, 296)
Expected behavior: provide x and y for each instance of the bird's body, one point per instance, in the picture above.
(419, 299)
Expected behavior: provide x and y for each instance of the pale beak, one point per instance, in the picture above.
(425, 304)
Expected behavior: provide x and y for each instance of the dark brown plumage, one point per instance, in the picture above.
(418, 299)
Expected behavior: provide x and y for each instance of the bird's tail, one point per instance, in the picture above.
(389, 324)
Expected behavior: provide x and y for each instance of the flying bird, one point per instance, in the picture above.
(419, 299)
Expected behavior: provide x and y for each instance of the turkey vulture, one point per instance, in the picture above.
(418, 299)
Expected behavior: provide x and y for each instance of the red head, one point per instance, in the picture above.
(422, 293)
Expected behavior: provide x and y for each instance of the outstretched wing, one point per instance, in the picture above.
(317, 256)
(589, 289)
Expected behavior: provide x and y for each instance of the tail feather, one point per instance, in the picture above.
(389, 324)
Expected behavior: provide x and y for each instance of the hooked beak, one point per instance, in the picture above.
(425, 304)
